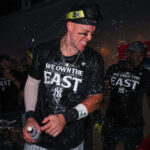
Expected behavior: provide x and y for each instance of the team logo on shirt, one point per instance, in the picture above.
(58, 92)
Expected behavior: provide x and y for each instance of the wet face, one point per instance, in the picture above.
(80, 35)
(136, 59)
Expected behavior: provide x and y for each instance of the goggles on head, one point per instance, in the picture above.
(29, 54)
(85, 14)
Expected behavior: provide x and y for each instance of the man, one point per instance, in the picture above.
(10, 81)
(9, 89)
(64, 85)
(7, 70)
(128, 81)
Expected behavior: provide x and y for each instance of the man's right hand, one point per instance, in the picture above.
(26, 135)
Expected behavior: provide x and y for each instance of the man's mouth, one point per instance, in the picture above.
(83, 43)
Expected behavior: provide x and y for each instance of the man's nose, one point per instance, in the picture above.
(89, 37)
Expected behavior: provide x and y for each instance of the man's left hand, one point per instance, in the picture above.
(54, 124)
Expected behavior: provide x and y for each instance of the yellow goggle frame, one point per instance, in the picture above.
(29, 53)
(75, 14)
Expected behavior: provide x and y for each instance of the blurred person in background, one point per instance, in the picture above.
(127, 82)
(10, 82)
(9, 90)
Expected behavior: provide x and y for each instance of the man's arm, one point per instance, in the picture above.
(93, 102)
(54, 124)
(30, 93)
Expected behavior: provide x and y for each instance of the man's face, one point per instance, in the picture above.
(136, 59)
(80, 35)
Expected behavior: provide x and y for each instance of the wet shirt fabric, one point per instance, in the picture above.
(64, 84)
(127, 88)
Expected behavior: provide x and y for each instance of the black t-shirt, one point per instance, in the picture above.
(62, 87)
(8, 95)
(127, 88)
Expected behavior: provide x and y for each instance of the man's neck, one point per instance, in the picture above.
(66, 48)
(130, 66)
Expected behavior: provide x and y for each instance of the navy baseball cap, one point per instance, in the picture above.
(85, 14)
(138, 46)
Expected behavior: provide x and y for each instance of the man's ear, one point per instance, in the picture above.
(70, 26)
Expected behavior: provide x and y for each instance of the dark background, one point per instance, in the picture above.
(24, 25)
